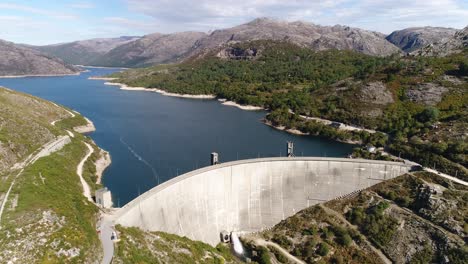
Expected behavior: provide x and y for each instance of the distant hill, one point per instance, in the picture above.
(303, 34)
(85, 52)
(18, 60)
(151, 49)
(455, 44)
(411, 39)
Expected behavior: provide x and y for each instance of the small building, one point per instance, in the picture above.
(104, 198)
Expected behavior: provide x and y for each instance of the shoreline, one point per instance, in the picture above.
(100, 67)
(300, 133)
(102, 78)
(243, 107)
(40, 75)
(283, 128)
(88, 128)
(102, 164)
(143, 89)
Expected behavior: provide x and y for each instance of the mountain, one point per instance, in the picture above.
(411, 39)
(455, 44)
(151, 49)
(169, 48)
(84, 52)
(303, 34)
(19, 60)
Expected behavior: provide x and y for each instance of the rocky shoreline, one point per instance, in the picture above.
(243, 107)
(102, 164)
(129, 88)
(88, 128)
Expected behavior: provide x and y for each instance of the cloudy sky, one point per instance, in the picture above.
(55, 21)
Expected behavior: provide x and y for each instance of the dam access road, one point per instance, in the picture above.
(249, 195)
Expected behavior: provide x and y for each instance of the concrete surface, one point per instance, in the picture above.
(249, 195)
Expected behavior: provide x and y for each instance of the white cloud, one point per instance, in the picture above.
(382, 15)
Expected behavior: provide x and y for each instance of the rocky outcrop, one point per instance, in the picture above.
(301, 33)
(455, 44)
(376, 93)
(411, 39)
(84, 52)
(16, 60)
(426, 93)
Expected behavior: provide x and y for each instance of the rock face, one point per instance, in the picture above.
(426, 93)
(411, 39)
(454, 44)
(151, 49)
(16, 60)
(85, 52)
(301, 33)
(376, 93)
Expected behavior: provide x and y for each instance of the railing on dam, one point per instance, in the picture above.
(249, 195)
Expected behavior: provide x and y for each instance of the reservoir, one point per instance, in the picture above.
(153, 138)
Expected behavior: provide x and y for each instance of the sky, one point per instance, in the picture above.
(41, 22)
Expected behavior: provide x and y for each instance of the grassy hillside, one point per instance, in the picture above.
(137, 246)
(420, 103)
(46, 218)
(410, 219)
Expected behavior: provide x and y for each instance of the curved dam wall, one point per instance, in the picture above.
(249, 195)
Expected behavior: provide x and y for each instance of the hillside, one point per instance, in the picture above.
(415, 218)
(419, 103)
(84, 52)
(18, 60)
(159, 48)
(411, 39)
(304, 34)
(445, 47)
(149, 50)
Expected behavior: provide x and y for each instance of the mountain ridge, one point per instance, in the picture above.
(18, 60)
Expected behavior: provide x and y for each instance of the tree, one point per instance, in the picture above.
(430, 114)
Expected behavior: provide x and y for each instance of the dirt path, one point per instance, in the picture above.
(79, 171)
(339, 216)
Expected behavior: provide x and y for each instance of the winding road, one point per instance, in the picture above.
(79, 171)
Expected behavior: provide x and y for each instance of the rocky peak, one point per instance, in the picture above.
(447, 46)
(411, 39)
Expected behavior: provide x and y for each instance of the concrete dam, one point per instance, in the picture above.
(249, 195)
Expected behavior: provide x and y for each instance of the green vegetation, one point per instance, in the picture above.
(70, 123)
(374, 224)
(342, 86)
(137, 246)
(51, 185)
(314, 234)
(46, 218)
(344, 230)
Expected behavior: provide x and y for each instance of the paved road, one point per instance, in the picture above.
(105, 237)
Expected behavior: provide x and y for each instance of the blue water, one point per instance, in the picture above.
(153, 138)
